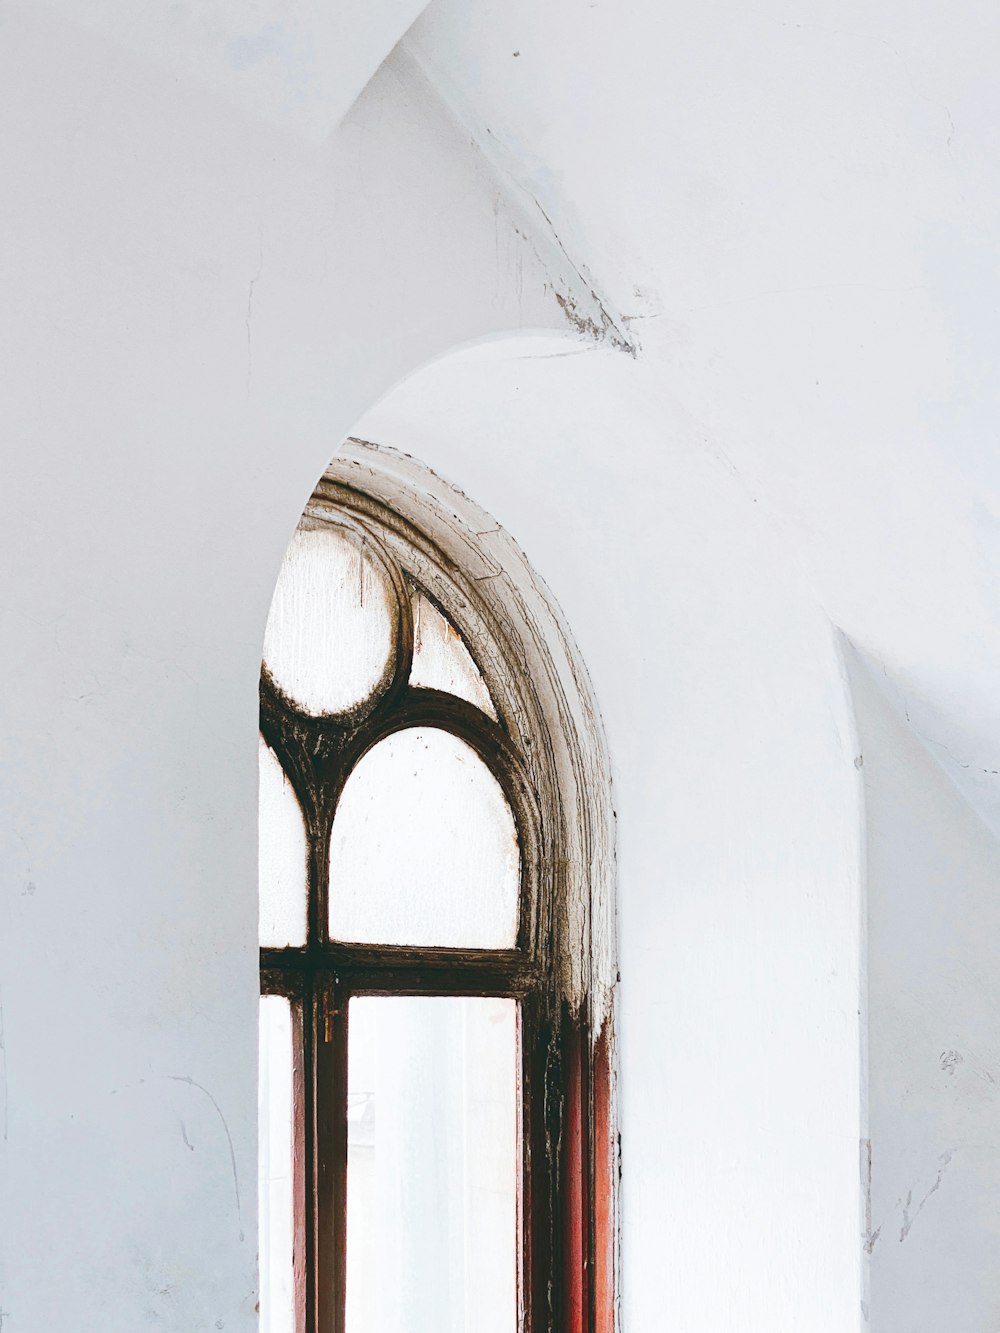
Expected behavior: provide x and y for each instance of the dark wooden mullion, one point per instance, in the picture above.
(308, 1145)
(336, 954)
(319, 754)
(542, 1249)
(549, 1128)
(276, 979)
(381, 982)
(574, 1192)
(310, 753)
(301, 1193)
(318, 903)
(331, 1156)
(419, 705)
(413, 972)
(532, 1262)
(323, 738)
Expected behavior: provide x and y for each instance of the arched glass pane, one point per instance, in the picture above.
(281, 856)
(331, 635)
(424, 848)
(441, 660)
(432, 1165)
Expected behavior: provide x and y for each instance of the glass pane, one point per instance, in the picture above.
(331, 634)
(275, 1175)
(441, 660)
(281, 857)
(424, 848)
(432, 1165)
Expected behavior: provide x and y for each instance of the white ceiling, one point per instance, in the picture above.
(295, 64)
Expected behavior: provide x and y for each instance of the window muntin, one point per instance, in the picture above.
(474, 684)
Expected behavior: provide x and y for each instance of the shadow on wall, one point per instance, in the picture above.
(933, 1030)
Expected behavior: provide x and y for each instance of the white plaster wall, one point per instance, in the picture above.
(197, 307)
(934, 1033)
(737, 801)
(295, 66)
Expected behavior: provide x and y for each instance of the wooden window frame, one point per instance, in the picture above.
(567, 1205)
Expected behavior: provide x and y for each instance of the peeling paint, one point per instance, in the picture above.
(908, 1219)
(870, 1236)
(571, 284)
(950, 1060)
(582, 323)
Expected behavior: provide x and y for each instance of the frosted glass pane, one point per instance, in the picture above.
(432, 1165)
(331, 632)
(281, 856)
(274, 1165)
(441, 660)
(424, 848)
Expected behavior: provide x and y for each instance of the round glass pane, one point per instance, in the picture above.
(331, 636)
(424, 848)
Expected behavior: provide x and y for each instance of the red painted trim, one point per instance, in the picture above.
(605, 1184)
(577, 1173)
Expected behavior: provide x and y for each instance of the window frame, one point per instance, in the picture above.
(568, 1224)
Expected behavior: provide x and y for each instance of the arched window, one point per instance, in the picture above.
(437, 1152)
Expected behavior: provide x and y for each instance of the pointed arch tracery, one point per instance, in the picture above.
(449, 655)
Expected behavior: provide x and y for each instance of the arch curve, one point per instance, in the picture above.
(484, 583)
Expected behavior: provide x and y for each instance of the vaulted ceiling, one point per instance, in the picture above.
(789, 213)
